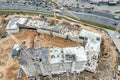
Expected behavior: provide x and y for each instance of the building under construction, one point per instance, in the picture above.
(54, 61)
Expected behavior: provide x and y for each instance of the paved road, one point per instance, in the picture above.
(95, 16)
(102, 13)
(98, 19)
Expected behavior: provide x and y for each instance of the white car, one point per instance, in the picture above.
(57, 10)
(116, 17)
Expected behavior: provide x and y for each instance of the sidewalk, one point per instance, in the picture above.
(114, 38)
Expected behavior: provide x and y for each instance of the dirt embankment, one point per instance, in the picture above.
(1, 18)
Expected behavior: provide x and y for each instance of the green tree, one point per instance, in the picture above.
(6, 14)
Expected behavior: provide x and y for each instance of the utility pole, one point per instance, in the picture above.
(117, 29)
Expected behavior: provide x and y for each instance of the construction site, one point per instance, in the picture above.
(37, 47)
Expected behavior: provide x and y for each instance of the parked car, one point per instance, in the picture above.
(116, 17)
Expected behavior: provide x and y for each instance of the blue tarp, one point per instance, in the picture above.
(15, 53)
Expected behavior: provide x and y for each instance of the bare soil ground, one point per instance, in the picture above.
(50, 41)
(1, 18)
(9, 67)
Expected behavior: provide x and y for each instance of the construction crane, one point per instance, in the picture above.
(24, 52)
(54, 10)
(28, 56)
(61, 6)
(69, 12)
(19, 43)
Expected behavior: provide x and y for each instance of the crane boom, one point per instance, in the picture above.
(71, 13)
(28, 56)
(54, 7)
(19, 43)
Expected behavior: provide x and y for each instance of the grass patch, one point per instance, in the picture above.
(94, 23)
(10, 12)
(87, 8)
(97, 24)
(117, 12)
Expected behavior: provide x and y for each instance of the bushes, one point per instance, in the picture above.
(117, 12)
(4, 21)
(6, 14)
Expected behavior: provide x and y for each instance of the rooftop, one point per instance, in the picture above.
(69, 54)
(39, 54)
(14, 21)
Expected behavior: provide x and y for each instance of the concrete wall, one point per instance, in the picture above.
(43, 31)
(12, 30)
(58, 68)
(59, 35)
(76, 39)
(29, 70)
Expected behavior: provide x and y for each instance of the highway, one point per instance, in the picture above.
(100, 13)
(95, 16)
